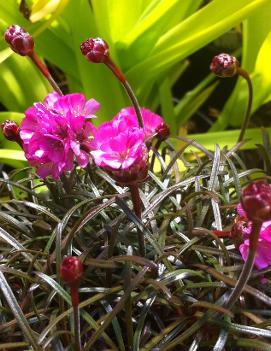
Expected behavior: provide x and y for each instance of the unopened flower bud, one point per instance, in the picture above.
(256, 201)
(71, 270)
(224, 65)
(11, 131)
(19, 40)
(162, 131)
(95, 50)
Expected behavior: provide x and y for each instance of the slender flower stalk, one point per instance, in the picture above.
(128, 303)
(45, 72)
(134, 101)
(71, 272)
(76, 317)
(21, 42)
(248, 266)
(225, 65)
(246, 76)
(119, 149)
(134, 189)
(97, 50)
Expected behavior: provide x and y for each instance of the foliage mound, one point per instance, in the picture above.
(167, 300)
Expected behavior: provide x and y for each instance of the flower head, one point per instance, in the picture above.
(95, 50)
(263, 252)
(56, 132)
(19, 40)
(71, 270)
(121, 151)
(256, 201)
(11, 131)
(153, 123)
(242, 228)
(224, 65)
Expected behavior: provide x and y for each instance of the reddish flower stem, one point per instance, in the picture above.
(138, 211)
(245, 75)
(222, 233)
(43, 69)
(76, 316)
(117, 72)
(248, 266)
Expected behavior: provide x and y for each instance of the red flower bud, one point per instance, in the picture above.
(71, 270)
(11, 131)
(19, 40)
(224, 65)
(162, 131)
(95, 50)
(256, 201)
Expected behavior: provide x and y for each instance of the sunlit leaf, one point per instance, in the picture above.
(192, 34)
(43, 8)
(255, 55)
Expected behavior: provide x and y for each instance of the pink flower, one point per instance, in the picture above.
(121, 151)
(56, 132)
(153, 123)
(263, 254)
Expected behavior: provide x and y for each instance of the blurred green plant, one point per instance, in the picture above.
(149, 39)
(255, 60)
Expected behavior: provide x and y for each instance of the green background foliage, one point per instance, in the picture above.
(150, 40)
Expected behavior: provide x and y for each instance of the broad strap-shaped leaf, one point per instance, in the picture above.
(255, 59)
(193, 33)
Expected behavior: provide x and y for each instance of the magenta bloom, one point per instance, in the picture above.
(153, 123)
(263, 254)
(121, 151)
(56, 133)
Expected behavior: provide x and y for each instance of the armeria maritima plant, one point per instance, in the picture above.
(156, 267)
(127, 167)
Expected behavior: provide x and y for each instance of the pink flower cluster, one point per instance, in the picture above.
(121, 151)
(56, 133)
(154, 124)
(119, 146)
(263, 254)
